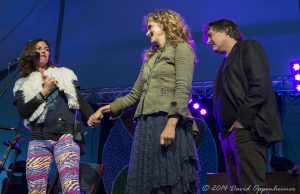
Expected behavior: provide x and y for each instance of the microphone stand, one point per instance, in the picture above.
(10, 82)
(10, 68)
(11, 145)
(14, 144)
(4, 73)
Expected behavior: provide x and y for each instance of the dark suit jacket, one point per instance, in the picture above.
(248, 85)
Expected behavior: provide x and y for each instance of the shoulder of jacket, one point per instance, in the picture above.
(251, 45)
(179, 44)
(249, 42)
(183, 46)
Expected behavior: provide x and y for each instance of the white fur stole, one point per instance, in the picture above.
(33, 84)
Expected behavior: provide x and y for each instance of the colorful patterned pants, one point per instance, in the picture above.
(40, 156)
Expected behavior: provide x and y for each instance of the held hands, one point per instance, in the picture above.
(168, 134)
(98, 115)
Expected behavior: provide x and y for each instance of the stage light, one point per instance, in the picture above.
(199, 107)
(296, 66)
(203, 111)
(295, 70)
(297, 77)
(298, 88)
(196, 106)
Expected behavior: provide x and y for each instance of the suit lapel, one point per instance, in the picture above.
(231, 56)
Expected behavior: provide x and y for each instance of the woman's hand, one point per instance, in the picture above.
(50, 83)
(168, 134)
(98, 115)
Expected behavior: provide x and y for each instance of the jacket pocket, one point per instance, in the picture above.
(166, 84)
(166, 91)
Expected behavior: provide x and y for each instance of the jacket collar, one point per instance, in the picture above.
(232, 54)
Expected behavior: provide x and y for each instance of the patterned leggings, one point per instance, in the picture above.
(40, 156)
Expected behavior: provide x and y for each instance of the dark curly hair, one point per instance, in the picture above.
(27, 67)
(224, 25)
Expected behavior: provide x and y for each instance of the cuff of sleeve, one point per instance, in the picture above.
(116, 108)
(173, 109)
(181, 111)
(40, 97)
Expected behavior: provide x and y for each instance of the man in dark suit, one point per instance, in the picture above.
(245, 106)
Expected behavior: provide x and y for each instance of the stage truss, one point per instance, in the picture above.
(283, 85)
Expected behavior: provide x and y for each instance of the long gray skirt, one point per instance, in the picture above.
(156, 169)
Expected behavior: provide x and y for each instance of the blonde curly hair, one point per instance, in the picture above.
(174, 26)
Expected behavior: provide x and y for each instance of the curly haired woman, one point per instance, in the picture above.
(163, 155)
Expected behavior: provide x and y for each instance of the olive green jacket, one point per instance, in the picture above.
(163, 85)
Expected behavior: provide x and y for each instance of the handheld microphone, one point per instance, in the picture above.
(31, 56)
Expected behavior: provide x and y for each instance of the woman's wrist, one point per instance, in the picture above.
(173, 121)
(45, 92)
(107, 109)
(40, 97)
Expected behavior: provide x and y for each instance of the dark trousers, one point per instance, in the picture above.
(245, 161)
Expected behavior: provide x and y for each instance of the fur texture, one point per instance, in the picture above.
(33, 84)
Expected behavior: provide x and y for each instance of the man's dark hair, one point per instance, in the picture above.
(225, 25)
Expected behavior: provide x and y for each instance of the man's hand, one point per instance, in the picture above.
(236, 124)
